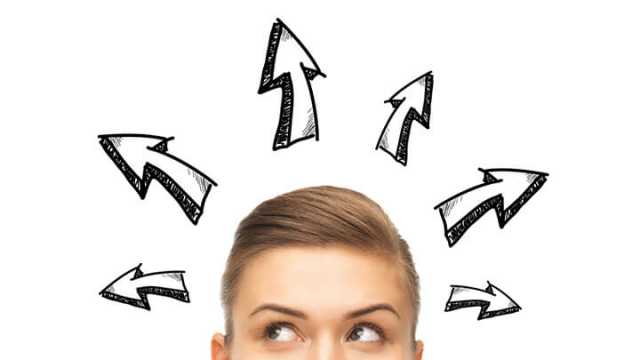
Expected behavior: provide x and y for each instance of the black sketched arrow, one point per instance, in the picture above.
(290, 66)
(500, 187)
(142, 158)
(411, 103)
(492, 301)
(133, 287)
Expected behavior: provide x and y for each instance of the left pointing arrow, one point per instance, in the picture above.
(133, 287)
(142, 158)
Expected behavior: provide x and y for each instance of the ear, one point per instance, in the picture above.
(218, 350)
(419, 349)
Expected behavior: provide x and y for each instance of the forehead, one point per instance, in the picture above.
(328, 281)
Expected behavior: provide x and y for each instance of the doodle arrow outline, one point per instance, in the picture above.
(133, 287)
(468, 206)
(286, 76)
(417, 94)
(492, 301)
(188, 188)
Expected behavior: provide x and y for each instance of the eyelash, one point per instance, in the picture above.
(265, 333)
(373, 326)
(276, 324)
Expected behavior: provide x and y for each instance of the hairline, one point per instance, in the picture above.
(391, 257)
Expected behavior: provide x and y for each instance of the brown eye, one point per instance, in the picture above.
(366, 333)
(279, 332)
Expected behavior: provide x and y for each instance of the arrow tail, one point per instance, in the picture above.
(455, 232)
(297, 121)
(395, 138)
(168, 284)
(453, 305)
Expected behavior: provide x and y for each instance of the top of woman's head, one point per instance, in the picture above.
(318, 216)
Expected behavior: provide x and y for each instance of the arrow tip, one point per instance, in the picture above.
(502, 303)
(417, 88)
(121, 289)
(297, 54)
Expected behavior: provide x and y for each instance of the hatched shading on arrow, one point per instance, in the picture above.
(411, 103)
(492, 301)
(142, 158)
(290, 66)
(500, 187)
(133, 287)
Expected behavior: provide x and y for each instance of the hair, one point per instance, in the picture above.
(316, 217)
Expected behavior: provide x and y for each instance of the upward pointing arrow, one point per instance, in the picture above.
(142, 158)
(290, 66)
(505, 190)
(411, 103)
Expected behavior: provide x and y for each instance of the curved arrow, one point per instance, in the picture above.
(148, 155)
(411, 103)
(500, 187)
(492, 301)
(133, 287)
(290, 66)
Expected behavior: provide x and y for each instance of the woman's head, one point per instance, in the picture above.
(320, 272)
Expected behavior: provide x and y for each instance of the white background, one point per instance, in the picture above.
(547, 85)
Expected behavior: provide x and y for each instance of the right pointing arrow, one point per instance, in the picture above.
(412, 102)
(500, 187)
(290, 66)
(492, 301)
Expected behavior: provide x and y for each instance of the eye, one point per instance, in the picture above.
(366, 332)
(279, 332)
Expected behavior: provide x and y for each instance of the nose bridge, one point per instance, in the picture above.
(327, 347)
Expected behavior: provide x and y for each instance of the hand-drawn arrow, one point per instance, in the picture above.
(412, 102)
(148, 155)
(500, 187)
(133, 287)
(290, 66)
(492, 301)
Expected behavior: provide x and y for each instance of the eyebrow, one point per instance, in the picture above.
(350, 315)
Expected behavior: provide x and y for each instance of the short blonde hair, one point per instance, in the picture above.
(317, 216)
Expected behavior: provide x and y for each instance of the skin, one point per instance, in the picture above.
(321, 286)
